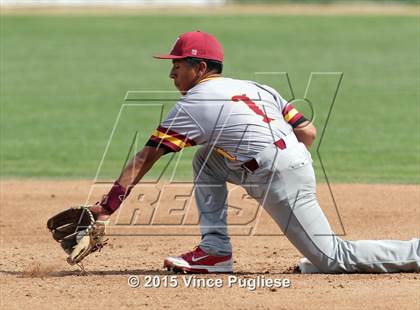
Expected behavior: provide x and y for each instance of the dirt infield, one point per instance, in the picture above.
(358, 9)
(33, 273)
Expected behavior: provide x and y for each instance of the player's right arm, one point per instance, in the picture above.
(303, 128)
(305, 132)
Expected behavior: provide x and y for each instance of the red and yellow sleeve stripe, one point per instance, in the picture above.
(292, 116)
(170, 139)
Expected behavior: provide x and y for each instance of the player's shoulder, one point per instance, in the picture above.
(221, 88)
(220, 85)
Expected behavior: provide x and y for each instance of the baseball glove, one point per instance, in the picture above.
(78, 233)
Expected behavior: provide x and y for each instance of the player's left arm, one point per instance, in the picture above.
(138, 166)
(172, 135)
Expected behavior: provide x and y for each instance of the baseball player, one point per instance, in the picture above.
(249, 136)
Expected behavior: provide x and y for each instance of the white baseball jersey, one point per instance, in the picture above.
(239, 118)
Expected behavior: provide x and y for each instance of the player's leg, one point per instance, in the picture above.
(214, 252)
(210, 176)
(291, 200)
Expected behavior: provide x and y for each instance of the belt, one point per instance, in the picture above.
(252, 165)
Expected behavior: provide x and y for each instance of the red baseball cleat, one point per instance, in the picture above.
(198, 261)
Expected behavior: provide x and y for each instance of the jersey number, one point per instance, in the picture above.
(251, 104)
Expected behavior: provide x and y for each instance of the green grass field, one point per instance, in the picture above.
(63, 81)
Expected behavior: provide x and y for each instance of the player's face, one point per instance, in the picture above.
(184, 76)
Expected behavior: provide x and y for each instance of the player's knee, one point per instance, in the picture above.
(329, 265)
(329, 259)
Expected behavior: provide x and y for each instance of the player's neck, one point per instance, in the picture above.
(209, 76)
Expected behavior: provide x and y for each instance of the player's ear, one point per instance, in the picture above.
(202, 67)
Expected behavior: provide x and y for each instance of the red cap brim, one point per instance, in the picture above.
(168, 56)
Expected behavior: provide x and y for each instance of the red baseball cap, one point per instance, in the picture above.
(195, 44)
